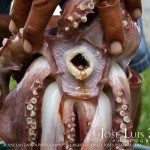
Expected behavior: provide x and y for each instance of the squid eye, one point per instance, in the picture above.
(79, 63)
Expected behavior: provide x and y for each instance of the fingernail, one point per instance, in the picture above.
(116, 48)
(27, 46)
(124, 23)
(12, 27)
(137, 13)
(4, 41)
(21, 30)
(1, 48)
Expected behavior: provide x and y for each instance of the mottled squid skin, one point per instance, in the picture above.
(87, 96)
(25, 107)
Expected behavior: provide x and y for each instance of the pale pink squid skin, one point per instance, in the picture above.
(70, 111)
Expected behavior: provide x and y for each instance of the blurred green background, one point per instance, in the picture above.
(144, 126)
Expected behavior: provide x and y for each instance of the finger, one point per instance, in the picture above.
(53, 22)
(40, 14)
(110, 14)
(19, 14)
(134, 7)
(4, 23)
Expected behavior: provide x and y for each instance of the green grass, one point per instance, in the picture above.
(144, 125)
(12, 84)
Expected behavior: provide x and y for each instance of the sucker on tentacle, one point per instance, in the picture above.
(31, 113)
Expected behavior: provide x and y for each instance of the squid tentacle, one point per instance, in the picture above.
(123, 108)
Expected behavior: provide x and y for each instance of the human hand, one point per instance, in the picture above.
(110, 14)
(33, 16)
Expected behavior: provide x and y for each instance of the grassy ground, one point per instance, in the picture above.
(144, 126)
(12, 84)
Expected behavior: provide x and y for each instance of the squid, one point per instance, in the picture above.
(72, 94)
